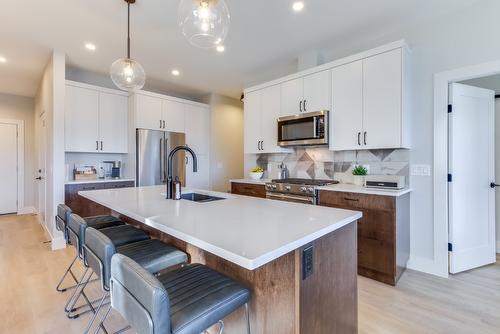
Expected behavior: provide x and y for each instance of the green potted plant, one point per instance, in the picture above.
(359, 172)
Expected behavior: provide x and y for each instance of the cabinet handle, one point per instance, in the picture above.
(364, 137)
(359, 138)
(262, 145)
(351, 199)
(258, 145)
(97, 145)
(300, 106)
(305, 109)
(160, 124)
(101, 145)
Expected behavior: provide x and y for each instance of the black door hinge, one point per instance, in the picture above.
(450, 178)
(450, 247)
(450, 108)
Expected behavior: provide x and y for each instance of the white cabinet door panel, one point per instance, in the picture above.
(346, 114)
(270, 111)
(382, 98)
(291, 97)
(197, 124)
(174, 116)
(200, 179)
(317, 92)
(113, 123)
(81, 119)
(148, 112)
(252, 122)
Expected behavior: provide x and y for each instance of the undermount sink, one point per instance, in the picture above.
(200, 197)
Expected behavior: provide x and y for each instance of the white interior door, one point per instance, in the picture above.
(472, 166)
(42, 154)
(8, 168)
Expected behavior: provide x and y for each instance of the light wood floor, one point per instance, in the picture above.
(29, 271)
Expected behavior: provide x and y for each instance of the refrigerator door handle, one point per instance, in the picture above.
(162, 174)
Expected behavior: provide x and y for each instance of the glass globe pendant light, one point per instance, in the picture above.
(126, 73)
(205, 23)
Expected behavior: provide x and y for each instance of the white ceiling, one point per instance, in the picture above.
(264, 40)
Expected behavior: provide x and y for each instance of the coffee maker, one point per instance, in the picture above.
(112, 169)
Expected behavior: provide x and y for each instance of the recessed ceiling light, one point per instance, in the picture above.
(3, 59)
(176, 72)
(298, 6)
(90, 46)
(220, 48)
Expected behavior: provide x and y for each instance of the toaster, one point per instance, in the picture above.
(385, 181)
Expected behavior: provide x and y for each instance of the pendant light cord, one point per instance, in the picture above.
(128, 29)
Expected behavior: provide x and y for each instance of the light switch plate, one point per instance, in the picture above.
(420, 170)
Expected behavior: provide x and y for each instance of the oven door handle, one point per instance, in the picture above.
(315, 127)
(284, 197)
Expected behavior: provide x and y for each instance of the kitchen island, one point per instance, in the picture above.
(299, 260)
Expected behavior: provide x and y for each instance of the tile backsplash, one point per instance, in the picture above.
(321, 163)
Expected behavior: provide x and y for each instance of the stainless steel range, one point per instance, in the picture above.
(296, 190)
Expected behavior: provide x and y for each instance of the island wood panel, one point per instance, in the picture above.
(84, 207)
(283, 303)
(248, 189)
(383, 232)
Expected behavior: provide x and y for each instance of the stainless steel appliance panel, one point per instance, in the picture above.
(152, 148)
(304, 129)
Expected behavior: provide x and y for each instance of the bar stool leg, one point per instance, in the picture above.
(96, 312)
(247, 316)
(68, 271)
(78, 285)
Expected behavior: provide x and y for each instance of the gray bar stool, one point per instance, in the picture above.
(62, 218)
(183, 301)
(152, 255)
(76, 232)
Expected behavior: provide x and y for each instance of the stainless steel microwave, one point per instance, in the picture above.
(304, 129)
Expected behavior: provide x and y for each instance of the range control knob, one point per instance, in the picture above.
(288, 188)
(303, 189)
(311, 190)
(274, 186)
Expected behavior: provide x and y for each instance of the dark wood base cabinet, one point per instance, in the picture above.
(248, 189)
(82, 206)
(383, 232)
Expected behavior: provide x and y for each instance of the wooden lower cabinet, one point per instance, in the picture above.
(82, 206)
(248, 189)
(383, 232)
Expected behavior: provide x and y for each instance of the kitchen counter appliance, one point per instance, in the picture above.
(296, 190)
(305, 129)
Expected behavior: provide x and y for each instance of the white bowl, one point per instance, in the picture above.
(255, 176)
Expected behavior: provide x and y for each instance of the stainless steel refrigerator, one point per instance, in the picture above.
(152, 149)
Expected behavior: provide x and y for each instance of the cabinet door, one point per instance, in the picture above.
(317, 92)
(113, 123)
(148, 112)
(200, 179)
(252, 122)
(291, 97)
(173, 115)
(382, 97)
(81, 119)
(269, 113)
(346, 114)
(197, 124)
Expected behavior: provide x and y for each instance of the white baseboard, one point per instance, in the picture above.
(58, 243)
(426, 265)
(27, 210)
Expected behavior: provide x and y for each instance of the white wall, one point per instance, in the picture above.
(462, 38)
(50, 101)
(23, 108)
(226, 141)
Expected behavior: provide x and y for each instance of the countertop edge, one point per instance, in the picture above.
(97, 181)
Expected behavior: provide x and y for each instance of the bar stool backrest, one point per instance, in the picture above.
(139, 297)
(98, 252)
(62, 218)
(76, 225)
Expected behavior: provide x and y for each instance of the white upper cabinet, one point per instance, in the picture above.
(382, 100)
(292, 97)
(174, 116)
(81, 119)
(96, 120)
(307, 94)
(346, 114)
(148, 112)
(262, 109)
(317, 92)
(113, 123)
(197, 125)
(252, 122)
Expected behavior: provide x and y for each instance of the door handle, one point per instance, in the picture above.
(97, 145)
(494, 185)
(364, 138)
(305, 109)
(164, 125)
(101, 145)
(160, 123)
(300, 106)
(187, 160)
(359, 138)
(262, 145)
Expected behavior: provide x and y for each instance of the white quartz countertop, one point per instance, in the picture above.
(351, 188)
(98, 181)
(247, 231)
